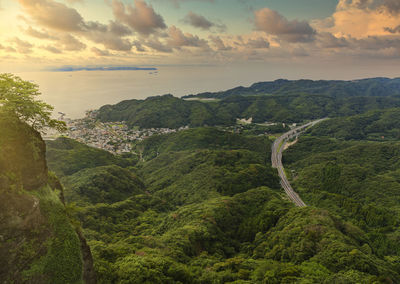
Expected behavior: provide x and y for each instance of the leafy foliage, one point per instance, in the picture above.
(18, 99)
(38, 241)
(357, 180)
(22, 151)
(162, 111)
(381, 125)
(66, 157)
(202, 138)
(374, 87)
(63, 261)
(212, 211)
(171, 112)
(106, 184)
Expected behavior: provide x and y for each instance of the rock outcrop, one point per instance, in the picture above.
(38, 243)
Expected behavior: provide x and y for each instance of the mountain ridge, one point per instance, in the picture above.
(304, 85)
(278, 101)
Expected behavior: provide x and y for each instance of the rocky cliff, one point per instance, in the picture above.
(38, 242)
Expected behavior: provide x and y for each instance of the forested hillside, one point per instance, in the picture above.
(278, 101)
(358, 179)
(205, 206)
(377, 125)
(171, 112)
(66, 157)
(374, 87)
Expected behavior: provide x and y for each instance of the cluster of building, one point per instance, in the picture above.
(115, 137)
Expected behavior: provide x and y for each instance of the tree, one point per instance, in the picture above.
(18, 98)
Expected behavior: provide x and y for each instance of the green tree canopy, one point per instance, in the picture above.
(18, 98)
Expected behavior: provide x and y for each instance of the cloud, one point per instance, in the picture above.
(375, 43)
(199, 21)
(111, 35)
(53, 15)
(258, 43)
(100, 52)
(141, 17)
(138, 45)
(119, 29)
(219, 44)
(357, 28)
(273, 23)
(370, 47)
(391, 6)
(179, 39)
(10, 49)
(74, 1)
(363, 18)
(178, 2)
(52, 49)
(155, 44)
(299, 52)
(22, 46)
(394, 30)
(328, 40)
(67, 21)
(39, 34)
(359, 4)
(71, 43)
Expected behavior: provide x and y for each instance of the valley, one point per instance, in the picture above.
(214, 204)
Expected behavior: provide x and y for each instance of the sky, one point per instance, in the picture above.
(325, 34)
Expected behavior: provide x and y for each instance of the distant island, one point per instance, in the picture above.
(101, 68)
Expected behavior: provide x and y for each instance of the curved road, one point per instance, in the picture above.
(276, 159)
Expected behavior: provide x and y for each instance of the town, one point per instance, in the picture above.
(114, 137)
(118, 138)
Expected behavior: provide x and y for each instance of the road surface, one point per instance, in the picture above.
(276, 159)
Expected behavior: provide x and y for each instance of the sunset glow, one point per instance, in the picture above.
(49, 33)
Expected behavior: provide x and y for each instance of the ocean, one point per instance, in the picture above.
(75, 92)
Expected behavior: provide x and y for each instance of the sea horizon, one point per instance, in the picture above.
(75, 92)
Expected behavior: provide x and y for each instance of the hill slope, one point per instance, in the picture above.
(374, 87)
(278, 101)
(212, 211)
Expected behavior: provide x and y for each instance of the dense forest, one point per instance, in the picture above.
(279, 101)
(373, 87)
(205, 206)
(376, 125)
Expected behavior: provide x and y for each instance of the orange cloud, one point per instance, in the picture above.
(364, 18)
(53, 14)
